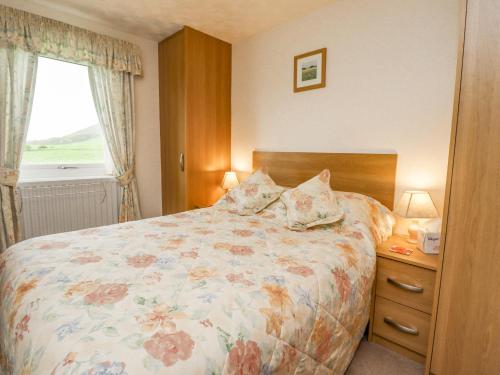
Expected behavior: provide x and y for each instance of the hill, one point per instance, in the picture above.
(78, 136)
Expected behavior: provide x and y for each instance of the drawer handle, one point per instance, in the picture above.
(400, 327)
(408, 287)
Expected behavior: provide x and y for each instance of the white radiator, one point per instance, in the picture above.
(62, 206)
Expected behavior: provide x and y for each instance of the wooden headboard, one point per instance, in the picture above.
(370, 174)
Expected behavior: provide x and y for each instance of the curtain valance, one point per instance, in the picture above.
(50, 38)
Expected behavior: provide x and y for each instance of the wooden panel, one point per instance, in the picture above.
(172, 121)
(451, 153)
(407, 274)
(417, 258)
(370, 174)
(414, 356)
(208, 100)
(466, 339)
(195, 117)
(405, 316)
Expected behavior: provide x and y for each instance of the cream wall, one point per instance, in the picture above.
(390, 84)
(146, 100)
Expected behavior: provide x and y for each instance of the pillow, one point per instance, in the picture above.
(254, 194)
(276, 210)
(362, 211)
(312, 203)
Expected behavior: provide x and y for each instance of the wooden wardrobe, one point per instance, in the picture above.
(466, 327)
(195, 118)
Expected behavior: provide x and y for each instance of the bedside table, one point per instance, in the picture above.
(402, 299)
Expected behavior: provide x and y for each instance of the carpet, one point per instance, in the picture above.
(373, 359)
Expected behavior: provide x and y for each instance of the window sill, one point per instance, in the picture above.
(52, 180)
(50, 173)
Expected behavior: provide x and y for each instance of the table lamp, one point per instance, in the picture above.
(415, 204)
(229, 181)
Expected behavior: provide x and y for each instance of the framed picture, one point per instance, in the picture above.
(310, 70)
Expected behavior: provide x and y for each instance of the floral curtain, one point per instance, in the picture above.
(59, 40)
(112, 66)
(17, 78)
(113, 94)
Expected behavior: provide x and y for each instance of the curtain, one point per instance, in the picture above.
(58, 40)
(17, 86)
(113, 93)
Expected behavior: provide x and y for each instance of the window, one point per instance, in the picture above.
(64, 137)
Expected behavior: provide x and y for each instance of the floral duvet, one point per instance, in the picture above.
(201, 292)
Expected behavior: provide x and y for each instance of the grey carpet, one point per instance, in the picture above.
(373, 359)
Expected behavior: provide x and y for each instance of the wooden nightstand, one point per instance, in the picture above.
(402, 299)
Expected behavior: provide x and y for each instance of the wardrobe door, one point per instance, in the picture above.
(171, 57)
(208, 116)
(467, 335)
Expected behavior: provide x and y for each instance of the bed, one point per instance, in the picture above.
(202, 292)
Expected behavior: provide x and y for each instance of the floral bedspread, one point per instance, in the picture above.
(201, 292)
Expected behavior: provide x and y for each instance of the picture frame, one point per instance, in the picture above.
(309, 70)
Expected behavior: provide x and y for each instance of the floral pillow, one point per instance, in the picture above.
(254, 194)
(276, 210)
(363, 211)
(312, 203)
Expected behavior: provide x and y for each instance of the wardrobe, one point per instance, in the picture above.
(466, 325)
(195, 118)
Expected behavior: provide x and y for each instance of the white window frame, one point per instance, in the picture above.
(61, 172)
(67, 171)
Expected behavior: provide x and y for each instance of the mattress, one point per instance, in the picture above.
(201, 292)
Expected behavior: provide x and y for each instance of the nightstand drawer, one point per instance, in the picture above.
(406, 284)
(402, 325)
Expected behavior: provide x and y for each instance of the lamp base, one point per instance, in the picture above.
(412, 232)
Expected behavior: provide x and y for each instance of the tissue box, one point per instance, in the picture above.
(428, 242)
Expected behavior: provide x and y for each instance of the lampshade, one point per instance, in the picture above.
(416, 205)
(229, 181)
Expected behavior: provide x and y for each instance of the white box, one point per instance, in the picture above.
(428, 242)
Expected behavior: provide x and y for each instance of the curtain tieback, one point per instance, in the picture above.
(9, 177)
(126, 178)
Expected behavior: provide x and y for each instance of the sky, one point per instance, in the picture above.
(63, 101)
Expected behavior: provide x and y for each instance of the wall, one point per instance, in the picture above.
(146, 99)
(390, 82)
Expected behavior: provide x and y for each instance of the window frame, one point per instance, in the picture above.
(33, 172)
(57, 172)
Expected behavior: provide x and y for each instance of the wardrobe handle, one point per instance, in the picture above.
(181, 161)
(408, 287)
(400, 327)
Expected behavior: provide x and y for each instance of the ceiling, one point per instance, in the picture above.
(230, 20)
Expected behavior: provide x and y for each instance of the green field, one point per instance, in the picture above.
(309, 73)
(89, 151)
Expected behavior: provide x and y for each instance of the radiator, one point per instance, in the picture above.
(55, 207)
